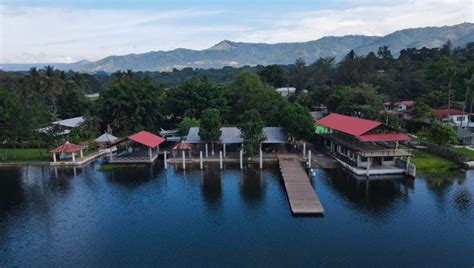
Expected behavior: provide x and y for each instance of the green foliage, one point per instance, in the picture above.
(422, 111)
(440, 134)
(193, 96)
(186, 124)
(273, 75)
(92, 145)
(251, 127)
(297, 120)
(210, 127)
(132, 105)
(362, 100)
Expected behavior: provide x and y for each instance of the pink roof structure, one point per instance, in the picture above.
(147, 139)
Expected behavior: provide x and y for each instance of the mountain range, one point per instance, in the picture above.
(237, 54)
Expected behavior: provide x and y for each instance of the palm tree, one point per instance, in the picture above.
(470, 88)
(49, 84)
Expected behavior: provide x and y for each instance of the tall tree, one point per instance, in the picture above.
(210, 127)
(251, 127)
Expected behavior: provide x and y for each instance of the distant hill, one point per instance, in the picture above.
(236, 54)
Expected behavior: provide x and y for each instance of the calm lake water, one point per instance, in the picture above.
(148, 216)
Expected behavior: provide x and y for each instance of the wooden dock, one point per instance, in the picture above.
(301, 195)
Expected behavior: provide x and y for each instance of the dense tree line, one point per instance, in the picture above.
(131, 101)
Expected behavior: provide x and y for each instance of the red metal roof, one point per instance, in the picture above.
(406, 103)
(445, 112)
(67, 148)
(147, 139)
(347, 124)
(183, 146)
(384, 137)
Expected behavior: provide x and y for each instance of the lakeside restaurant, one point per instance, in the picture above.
(142, 147)
(363, 146)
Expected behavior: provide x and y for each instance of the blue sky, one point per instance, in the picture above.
(67, 31)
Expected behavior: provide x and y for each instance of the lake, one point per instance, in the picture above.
(150, 216)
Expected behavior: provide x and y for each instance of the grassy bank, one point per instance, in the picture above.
(110, 167)
(468, 153)
(433, 166)
(25, 155)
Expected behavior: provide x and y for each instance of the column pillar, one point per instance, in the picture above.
(82, 154)
(184, 159)
(165, 160)
(304, 149)
(220, 160)
(309, 159)
(224, 150)
(149, 153)
(54, 157)
(200, 160)
(261, 159)
(207, 151)
(241, 156)
(73, 157)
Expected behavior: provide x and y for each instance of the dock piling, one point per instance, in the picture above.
(261, 159)
(309, 159)
(165, 161)
(304, 149)
(220, 160)
(200, 160)
(207, 151)
(184, 160)
(241, 156)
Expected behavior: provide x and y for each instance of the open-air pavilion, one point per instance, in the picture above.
(105, 140)
(67, 151)
(275, 137)
(229, 140)
(182, 147)
(142, 147)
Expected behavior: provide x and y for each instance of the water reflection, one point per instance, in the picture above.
(11, 190)
(132, 177)
(375, 197)
(212, 187)
(252, 186)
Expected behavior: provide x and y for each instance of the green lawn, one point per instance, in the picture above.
(29, 155)
(25, 155)
(464, 151)
(432, 165)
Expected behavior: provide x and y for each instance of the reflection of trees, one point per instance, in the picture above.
(132, 176)
(212, 187)
(252, 186)
(377, 197)
(11, 189)
(441, 185)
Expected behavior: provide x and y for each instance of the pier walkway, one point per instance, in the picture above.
(301, 195)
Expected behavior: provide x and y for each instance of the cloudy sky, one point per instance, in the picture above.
(66, 31)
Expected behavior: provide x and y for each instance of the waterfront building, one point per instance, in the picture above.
(363, 146)
(142, 147)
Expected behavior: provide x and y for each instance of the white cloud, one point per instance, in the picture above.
(32, 34)
(376, 18)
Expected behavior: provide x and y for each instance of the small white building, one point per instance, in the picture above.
(286, 91)
(452, 116)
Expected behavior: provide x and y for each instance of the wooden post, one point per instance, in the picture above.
(184, 159)
(54, 157)
(207, 151)
(165, 160)
(369, 162)
(408, 164)
(200, 160)
(73, 157)
(224, 150)
(261, 159)
(220, 160)
(304, 149)
(82, 154)
(241, 154)
(309, 159)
